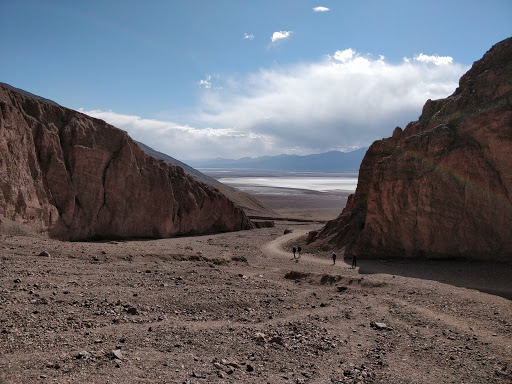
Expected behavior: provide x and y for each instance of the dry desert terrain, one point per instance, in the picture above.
(237, 308)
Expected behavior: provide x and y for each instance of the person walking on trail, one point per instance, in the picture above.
(333, 258)
(354, 261)
(294, 250)
(299, 249)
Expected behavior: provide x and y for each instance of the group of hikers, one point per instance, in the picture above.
(298, 250)
(354, 260)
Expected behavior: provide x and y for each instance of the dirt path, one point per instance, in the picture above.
(275, 247)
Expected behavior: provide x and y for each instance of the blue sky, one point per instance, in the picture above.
(232, 78)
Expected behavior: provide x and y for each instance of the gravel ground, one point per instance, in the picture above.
(235, 308)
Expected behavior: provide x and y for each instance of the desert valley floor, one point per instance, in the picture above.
(235, 308)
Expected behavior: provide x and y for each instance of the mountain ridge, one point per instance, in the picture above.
(331, 161)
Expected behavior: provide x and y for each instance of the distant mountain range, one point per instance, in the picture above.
(333, 161)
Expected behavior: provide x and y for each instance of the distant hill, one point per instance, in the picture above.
(191, 171)
(333, 161)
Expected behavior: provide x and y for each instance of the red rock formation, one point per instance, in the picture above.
(77, 178)
(443, 186)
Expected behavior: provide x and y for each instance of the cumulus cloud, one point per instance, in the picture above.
(320, 9)
(281, 35)
(344, 101)
(437, 60)
(344, 55)
(248, 36)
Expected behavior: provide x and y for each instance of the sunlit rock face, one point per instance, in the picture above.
(76, 177)
(442, 187)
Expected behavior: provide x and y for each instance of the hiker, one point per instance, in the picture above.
(354, 261)
(299, 249)
(333, 258)
(294, 250)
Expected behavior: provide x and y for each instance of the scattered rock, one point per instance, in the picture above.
(84, 355)
(296, 275)
(380, 326)
(311, 237)
(277, 340)
(132, 310)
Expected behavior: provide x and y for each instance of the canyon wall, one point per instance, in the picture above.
(77, 178)
(442, 187)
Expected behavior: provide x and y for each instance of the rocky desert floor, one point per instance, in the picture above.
(235, 308)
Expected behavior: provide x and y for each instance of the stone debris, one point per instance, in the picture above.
(380, 326)
(117, 354)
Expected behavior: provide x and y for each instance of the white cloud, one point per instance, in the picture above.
(206, 83)
(437, 60)
(248, 36)
(280, 35)
(344, 101)
(182, 141)
(344, 55)
(321, 9)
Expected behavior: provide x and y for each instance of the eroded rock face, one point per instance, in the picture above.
(77, 178)
(443, 186)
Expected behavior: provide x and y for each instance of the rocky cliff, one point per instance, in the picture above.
(251, 206)
(77, 178)
(442, 187)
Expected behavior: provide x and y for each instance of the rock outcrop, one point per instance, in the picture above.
(78, 178)
(250, 205)
(442, 187)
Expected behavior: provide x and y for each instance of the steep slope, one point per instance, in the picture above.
(251, 206)
(443, 186)
(77, 178)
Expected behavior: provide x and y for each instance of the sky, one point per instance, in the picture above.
(199, 79)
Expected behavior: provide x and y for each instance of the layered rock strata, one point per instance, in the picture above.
(442, 187)
(78, 178)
